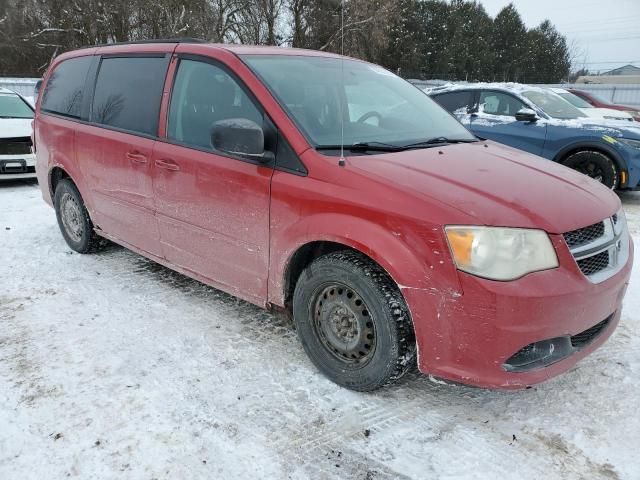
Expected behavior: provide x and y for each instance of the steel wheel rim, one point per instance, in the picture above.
(343, 323)
(71, 215)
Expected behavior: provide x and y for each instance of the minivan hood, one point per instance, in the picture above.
(492, 184)
(15, 127)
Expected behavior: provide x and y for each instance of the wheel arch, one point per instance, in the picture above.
(56, 174)
(569, 150)
(303, 257)
(414, 256)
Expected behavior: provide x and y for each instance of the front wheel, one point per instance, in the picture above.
(596, 165)
(353, 322)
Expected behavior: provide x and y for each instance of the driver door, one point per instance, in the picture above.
(495, 120)
(212, 207)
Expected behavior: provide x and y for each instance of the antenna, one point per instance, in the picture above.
(341, 162)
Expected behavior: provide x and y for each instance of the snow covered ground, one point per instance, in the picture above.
(112, 366)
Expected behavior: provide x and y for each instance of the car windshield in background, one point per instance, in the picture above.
(575, 100)
(377, 106)
(553, 105)
(12, 106)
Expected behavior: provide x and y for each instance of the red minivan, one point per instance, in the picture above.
(333, 189)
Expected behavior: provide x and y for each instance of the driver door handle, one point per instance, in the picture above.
(167, 164)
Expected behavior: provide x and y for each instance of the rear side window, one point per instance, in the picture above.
(455, 102)
(65, 88)
(128, 93)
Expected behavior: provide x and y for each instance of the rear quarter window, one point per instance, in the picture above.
(64, 92)
(128, 93)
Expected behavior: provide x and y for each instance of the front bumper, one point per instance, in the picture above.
(471, 337)
(632, 160)
(17, 166)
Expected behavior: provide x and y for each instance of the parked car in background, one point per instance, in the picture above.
(589, 110)
(539, 121)
(17, 159)
(599, 102)
(334, 189)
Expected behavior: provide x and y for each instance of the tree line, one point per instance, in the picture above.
(454, 40)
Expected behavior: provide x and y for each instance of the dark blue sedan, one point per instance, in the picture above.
(539, 121)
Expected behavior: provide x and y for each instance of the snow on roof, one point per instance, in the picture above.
(508, 86)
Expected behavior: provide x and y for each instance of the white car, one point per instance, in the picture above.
(17, 159)
(589, 110)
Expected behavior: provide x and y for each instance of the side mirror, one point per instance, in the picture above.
(239, 136)
(526, 115)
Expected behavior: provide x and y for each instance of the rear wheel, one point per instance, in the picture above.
(73, 218)
(596, 165)
(353, 321)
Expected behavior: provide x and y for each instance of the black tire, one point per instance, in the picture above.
(596, 165)
(73, 219)
(360, 335)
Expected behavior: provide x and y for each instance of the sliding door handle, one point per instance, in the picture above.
(136, 157)
(167, 164)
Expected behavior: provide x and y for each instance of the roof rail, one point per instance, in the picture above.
(153, 40)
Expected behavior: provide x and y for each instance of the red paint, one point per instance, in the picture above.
(587, 97)
(236, 225)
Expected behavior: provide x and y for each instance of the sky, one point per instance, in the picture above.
(605, 34)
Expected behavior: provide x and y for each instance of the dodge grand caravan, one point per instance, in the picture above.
(333, 189)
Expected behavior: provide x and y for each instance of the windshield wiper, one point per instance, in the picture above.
(364, 146)
(439, 141)
(388, 147)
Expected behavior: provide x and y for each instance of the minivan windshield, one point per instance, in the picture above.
(553, 105)
(12, 106)
(377, 107)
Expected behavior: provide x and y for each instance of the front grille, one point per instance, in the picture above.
(582, 339)
(594, 264)
(15, 146)
(600, 250)
(582, 236)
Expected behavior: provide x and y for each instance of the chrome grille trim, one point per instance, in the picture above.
(614, 240)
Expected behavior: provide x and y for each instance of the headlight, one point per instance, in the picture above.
(629, 142)
(500, 253)
(635, 114)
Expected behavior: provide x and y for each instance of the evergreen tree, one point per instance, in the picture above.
(547, 55)
(509, 44)
(469, 37)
